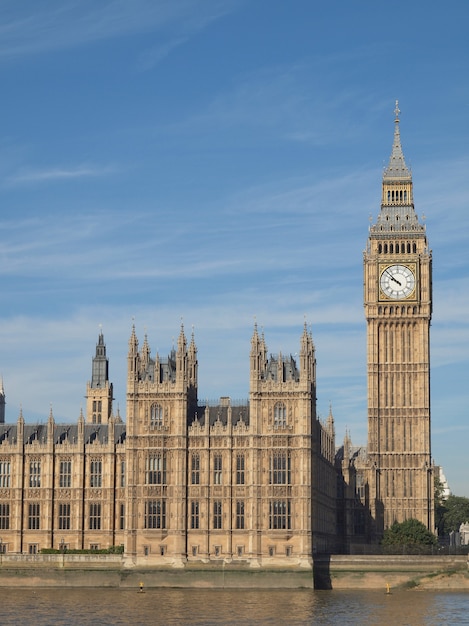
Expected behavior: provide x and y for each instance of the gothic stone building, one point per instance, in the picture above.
(260, 481)
(179, 481)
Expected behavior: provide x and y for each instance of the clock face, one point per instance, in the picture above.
(397, 282)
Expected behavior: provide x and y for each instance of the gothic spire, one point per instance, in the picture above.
(100, 364)
(397, 168)
(397, 215)
(133, 342)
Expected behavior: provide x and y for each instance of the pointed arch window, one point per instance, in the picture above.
(35, 473)
(280, 415)
(156, 416)
(217, 515)
(240, 469)
(155, 469)
(195, 469)
(280, 469)
(217, 469)
(5, 473)
(96, 473)
(280, 515)
(65, 473)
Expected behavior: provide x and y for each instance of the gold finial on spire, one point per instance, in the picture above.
(397, 110)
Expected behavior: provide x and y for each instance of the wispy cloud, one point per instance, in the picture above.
(58, 174)
(27, 29)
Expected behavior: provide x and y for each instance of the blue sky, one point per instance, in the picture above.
(217, 162)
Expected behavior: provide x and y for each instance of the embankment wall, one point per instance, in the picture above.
(333, 572)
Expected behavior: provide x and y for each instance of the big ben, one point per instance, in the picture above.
(398, 308)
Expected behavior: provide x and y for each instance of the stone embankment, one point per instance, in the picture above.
(382, 572)
(333, 572)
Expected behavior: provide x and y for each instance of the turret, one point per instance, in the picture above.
(99, 390)
(192, 363)
(145, 355)
(50, 427)
(181, 360)
(2, 402)
(258, 355)
(330, 423)
(133, 358)
(307, 357)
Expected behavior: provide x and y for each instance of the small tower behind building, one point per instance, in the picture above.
(99, 390)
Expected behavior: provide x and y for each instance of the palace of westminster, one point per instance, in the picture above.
(261, 482)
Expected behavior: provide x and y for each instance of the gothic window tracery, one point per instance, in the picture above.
(155, 469)
(96, 473)
(280, 415)
(195, 469)
(156, 415)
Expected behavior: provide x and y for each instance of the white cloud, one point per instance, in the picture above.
(58, 174)
(26, 28)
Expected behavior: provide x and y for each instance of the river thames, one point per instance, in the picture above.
(82, 607)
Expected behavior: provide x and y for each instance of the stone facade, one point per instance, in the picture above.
(180, 481)
(392, 479)
(259, 481)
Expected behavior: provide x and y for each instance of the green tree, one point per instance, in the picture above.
(456, 511)
(440, 502)
(409, 532)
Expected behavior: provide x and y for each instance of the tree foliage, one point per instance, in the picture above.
(411, 531)
(439, 504)
(453, 512)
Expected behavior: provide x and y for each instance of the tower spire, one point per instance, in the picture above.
(397, 215)
(99, 390)
(397, 168)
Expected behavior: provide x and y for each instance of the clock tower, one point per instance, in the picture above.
(398, 308)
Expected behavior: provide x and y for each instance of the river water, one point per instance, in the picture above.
(105, 606)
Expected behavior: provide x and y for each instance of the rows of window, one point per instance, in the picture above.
(154, 515)
(397, 195)
(279, 471)
(397, 248)
(155, 471)
(279, 515)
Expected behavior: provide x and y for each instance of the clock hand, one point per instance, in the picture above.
(394, 279)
